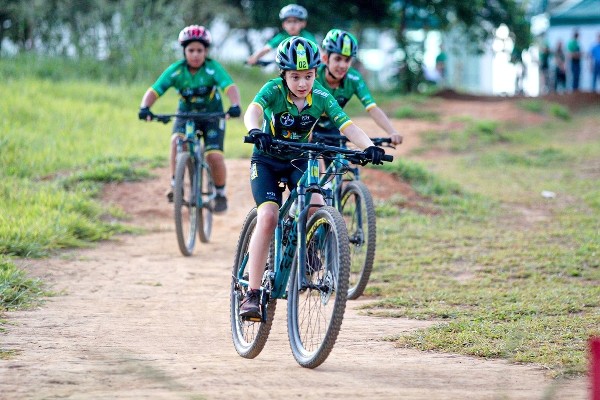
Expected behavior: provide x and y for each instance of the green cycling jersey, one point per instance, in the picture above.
(282, 118)
(281, 36)
(353, 84)
(199, 92)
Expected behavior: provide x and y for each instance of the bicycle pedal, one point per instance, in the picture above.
(252, 319)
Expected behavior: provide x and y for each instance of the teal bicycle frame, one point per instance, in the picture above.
(290, 233)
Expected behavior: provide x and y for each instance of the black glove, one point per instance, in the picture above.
(145, 113)
(375, 154)
(262, 140)
(234, 111)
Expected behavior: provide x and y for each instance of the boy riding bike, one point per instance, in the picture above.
(287, 108)
(293, 21)
(198, 79)
(342, 81)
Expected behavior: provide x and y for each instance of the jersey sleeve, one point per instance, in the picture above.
(266, 94)
(361, 90)
(335, 113)
(222, 78)
(166, 79)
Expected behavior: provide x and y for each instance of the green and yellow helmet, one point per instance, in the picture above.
(340, 42)
(297, 54)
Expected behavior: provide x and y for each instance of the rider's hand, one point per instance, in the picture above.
(396, 138)
(375, 154)
(234, 111)
(262, 140)
(144, 113)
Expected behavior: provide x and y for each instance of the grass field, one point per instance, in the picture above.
(505, 272)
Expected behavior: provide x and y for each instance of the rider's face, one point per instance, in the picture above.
(195, 54)
(293, 26)
(300, 83)
(338, 64)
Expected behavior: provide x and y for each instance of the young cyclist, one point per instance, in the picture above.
(342, 81)
(286, 108)
(197, 78)
(293, 21)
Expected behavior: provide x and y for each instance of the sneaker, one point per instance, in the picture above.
(249, 308)
(220, 204)
(169, 194)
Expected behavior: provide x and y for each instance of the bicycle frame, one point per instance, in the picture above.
(194, 147)
(338, 170)
(290, 233)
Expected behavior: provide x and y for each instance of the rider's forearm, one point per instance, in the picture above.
(382, 120)
(357, 136)
(258, 54)
(253, 117)
(234, 95)
(149, 98)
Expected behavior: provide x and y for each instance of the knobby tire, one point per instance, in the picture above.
(316, 303)
(205, 213)
(186, 210)
(249, 337)
(358, 210)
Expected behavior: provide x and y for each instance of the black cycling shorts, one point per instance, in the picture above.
(266, 172)
(213, 132)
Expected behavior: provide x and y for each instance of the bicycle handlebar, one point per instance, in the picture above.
(202, 116)
(354, 156)
(333, 138)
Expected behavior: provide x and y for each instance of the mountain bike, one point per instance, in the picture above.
(194, 191)
(308, 265)
(353, 200)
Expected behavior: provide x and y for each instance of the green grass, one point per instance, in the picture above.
(410, 111)
(516, 276)
(540, 107)
(17, 292)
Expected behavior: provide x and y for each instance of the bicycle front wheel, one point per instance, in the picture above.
(317, 294)
(205, 213)
(358, 211)
(249, 337)
(184, 200)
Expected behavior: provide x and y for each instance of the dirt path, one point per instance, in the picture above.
(138, 320)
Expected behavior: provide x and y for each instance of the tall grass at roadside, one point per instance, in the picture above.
(62, 135)
(521, 281)
(17, 290)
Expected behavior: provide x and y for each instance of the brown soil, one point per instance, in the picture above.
(135, 319)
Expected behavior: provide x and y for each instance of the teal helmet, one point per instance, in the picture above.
(340, 42)
(297, 53)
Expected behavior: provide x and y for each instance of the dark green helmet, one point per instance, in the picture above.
(341, 42)
(297, 53)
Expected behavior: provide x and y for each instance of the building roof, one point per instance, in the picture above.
(576, 12)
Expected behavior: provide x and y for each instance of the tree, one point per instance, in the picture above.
(478, 19)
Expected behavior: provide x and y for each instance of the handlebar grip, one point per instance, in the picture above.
(388, 158)
(248, 139)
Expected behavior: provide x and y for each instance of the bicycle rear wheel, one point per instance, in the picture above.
(249, 337)
(184, 200)
(205, 214)
(317, 300)
(358, 211)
